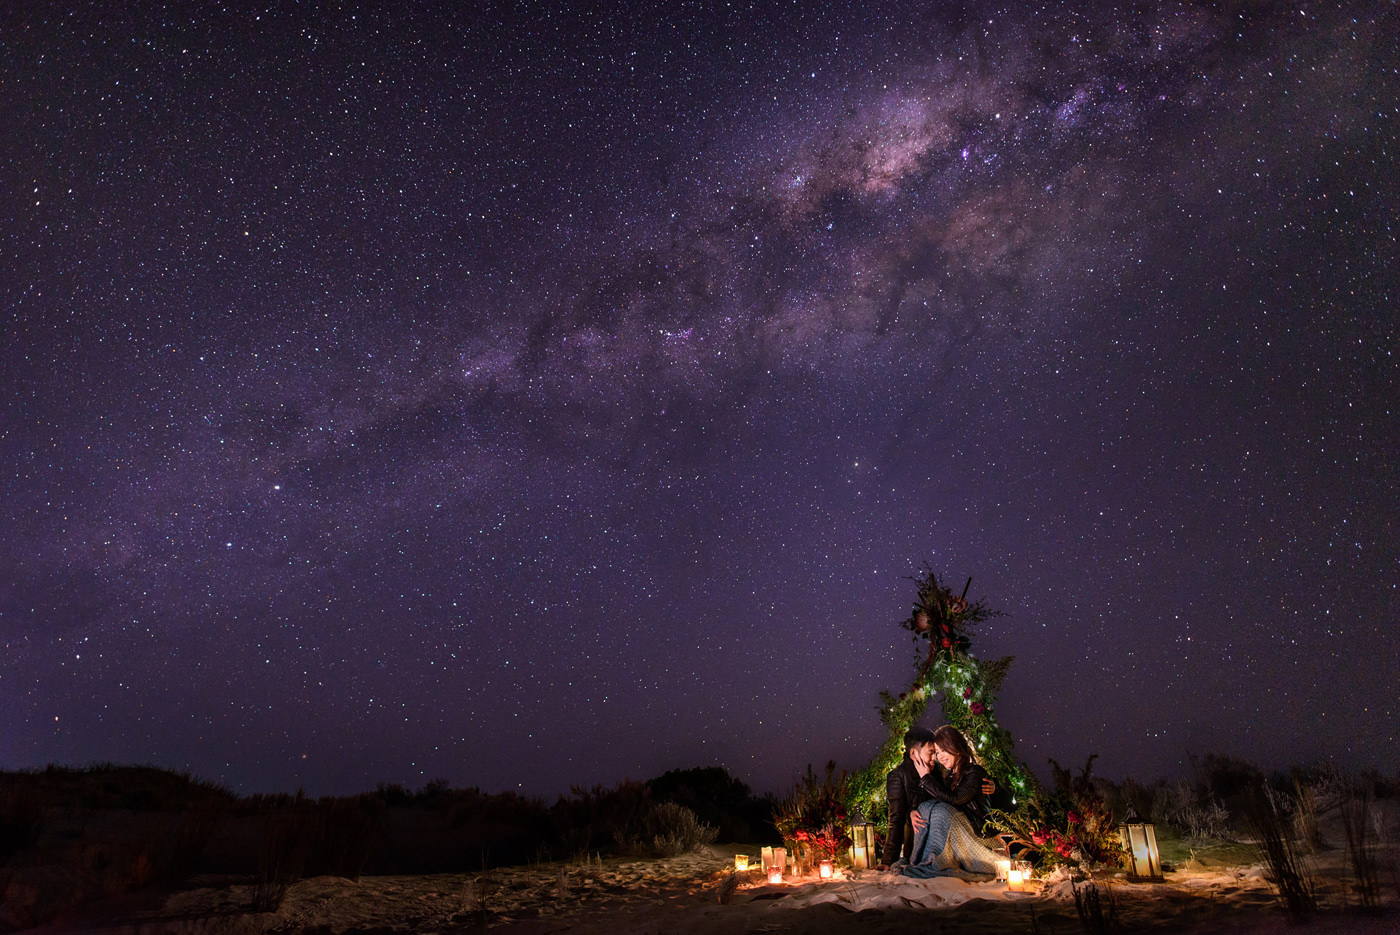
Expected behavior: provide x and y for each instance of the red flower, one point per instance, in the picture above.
(967, 693)
(1038, 838)
(1074, 818)
(978, 707)
(947, 642)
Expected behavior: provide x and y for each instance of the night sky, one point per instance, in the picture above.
(530, 395)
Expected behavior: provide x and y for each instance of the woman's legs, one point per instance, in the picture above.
(933, 838)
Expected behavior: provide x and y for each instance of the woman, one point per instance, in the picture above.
(945, 843)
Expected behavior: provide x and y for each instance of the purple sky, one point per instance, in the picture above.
(548, 395)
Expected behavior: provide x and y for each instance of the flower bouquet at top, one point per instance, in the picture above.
(942, 617)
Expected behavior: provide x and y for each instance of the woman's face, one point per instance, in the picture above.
(946, 758)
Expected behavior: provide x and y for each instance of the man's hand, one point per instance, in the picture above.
(917, 820)
(988, 787)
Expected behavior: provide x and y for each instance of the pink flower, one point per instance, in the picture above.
(1038, 838)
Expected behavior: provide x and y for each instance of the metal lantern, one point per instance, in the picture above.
(1140, 841)
(863, 855)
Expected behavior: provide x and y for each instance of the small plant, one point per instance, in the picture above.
(195, 827)
(1090, 907)
(281, 858)
(1305, 826)
(1361, 845)
(728, 886)
(1288, 872)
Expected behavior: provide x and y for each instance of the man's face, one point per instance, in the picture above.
(924, 754)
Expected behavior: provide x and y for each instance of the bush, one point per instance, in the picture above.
(678, 831)
(716, 798)
(665, 829)
(1192, 809)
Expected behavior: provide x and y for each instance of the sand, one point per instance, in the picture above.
(683, 895)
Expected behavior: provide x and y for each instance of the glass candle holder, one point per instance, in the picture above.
(1003, 869)
(775, 875)
(825, 869)
(741, 861)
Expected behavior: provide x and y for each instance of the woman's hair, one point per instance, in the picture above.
(951, 739)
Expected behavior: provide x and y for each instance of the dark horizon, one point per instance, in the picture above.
(537, 397)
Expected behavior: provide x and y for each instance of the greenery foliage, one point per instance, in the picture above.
(1069, 826)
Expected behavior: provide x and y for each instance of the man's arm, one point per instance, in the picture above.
(899, 812)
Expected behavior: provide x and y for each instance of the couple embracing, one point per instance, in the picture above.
(940, 790)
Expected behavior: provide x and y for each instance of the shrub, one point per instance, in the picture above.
(715, 797)
(678, 831)
(1192, 809)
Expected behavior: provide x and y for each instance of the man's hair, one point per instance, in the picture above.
(917, 737)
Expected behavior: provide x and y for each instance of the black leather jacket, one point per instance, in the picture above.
(966, 796)
(904, 793)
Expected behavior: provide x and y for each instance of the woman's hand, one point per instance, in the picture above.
(918, 820)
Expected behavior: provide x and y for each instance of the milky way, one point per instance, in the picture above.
(541, 396)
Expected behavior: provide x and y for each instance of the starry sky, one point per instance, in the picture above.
(533, 395)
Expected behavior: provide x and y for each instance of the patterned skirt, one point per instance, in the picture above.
(947, 846)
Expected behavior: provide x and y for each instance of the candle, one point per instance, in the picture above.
(1013, 879)
(824, 869)
(1003, 869)
(775, 875)
(741, 861)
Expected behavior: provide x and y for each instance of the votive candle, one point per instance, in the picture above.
(741, 861)
(775, 875)
(824, 869)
